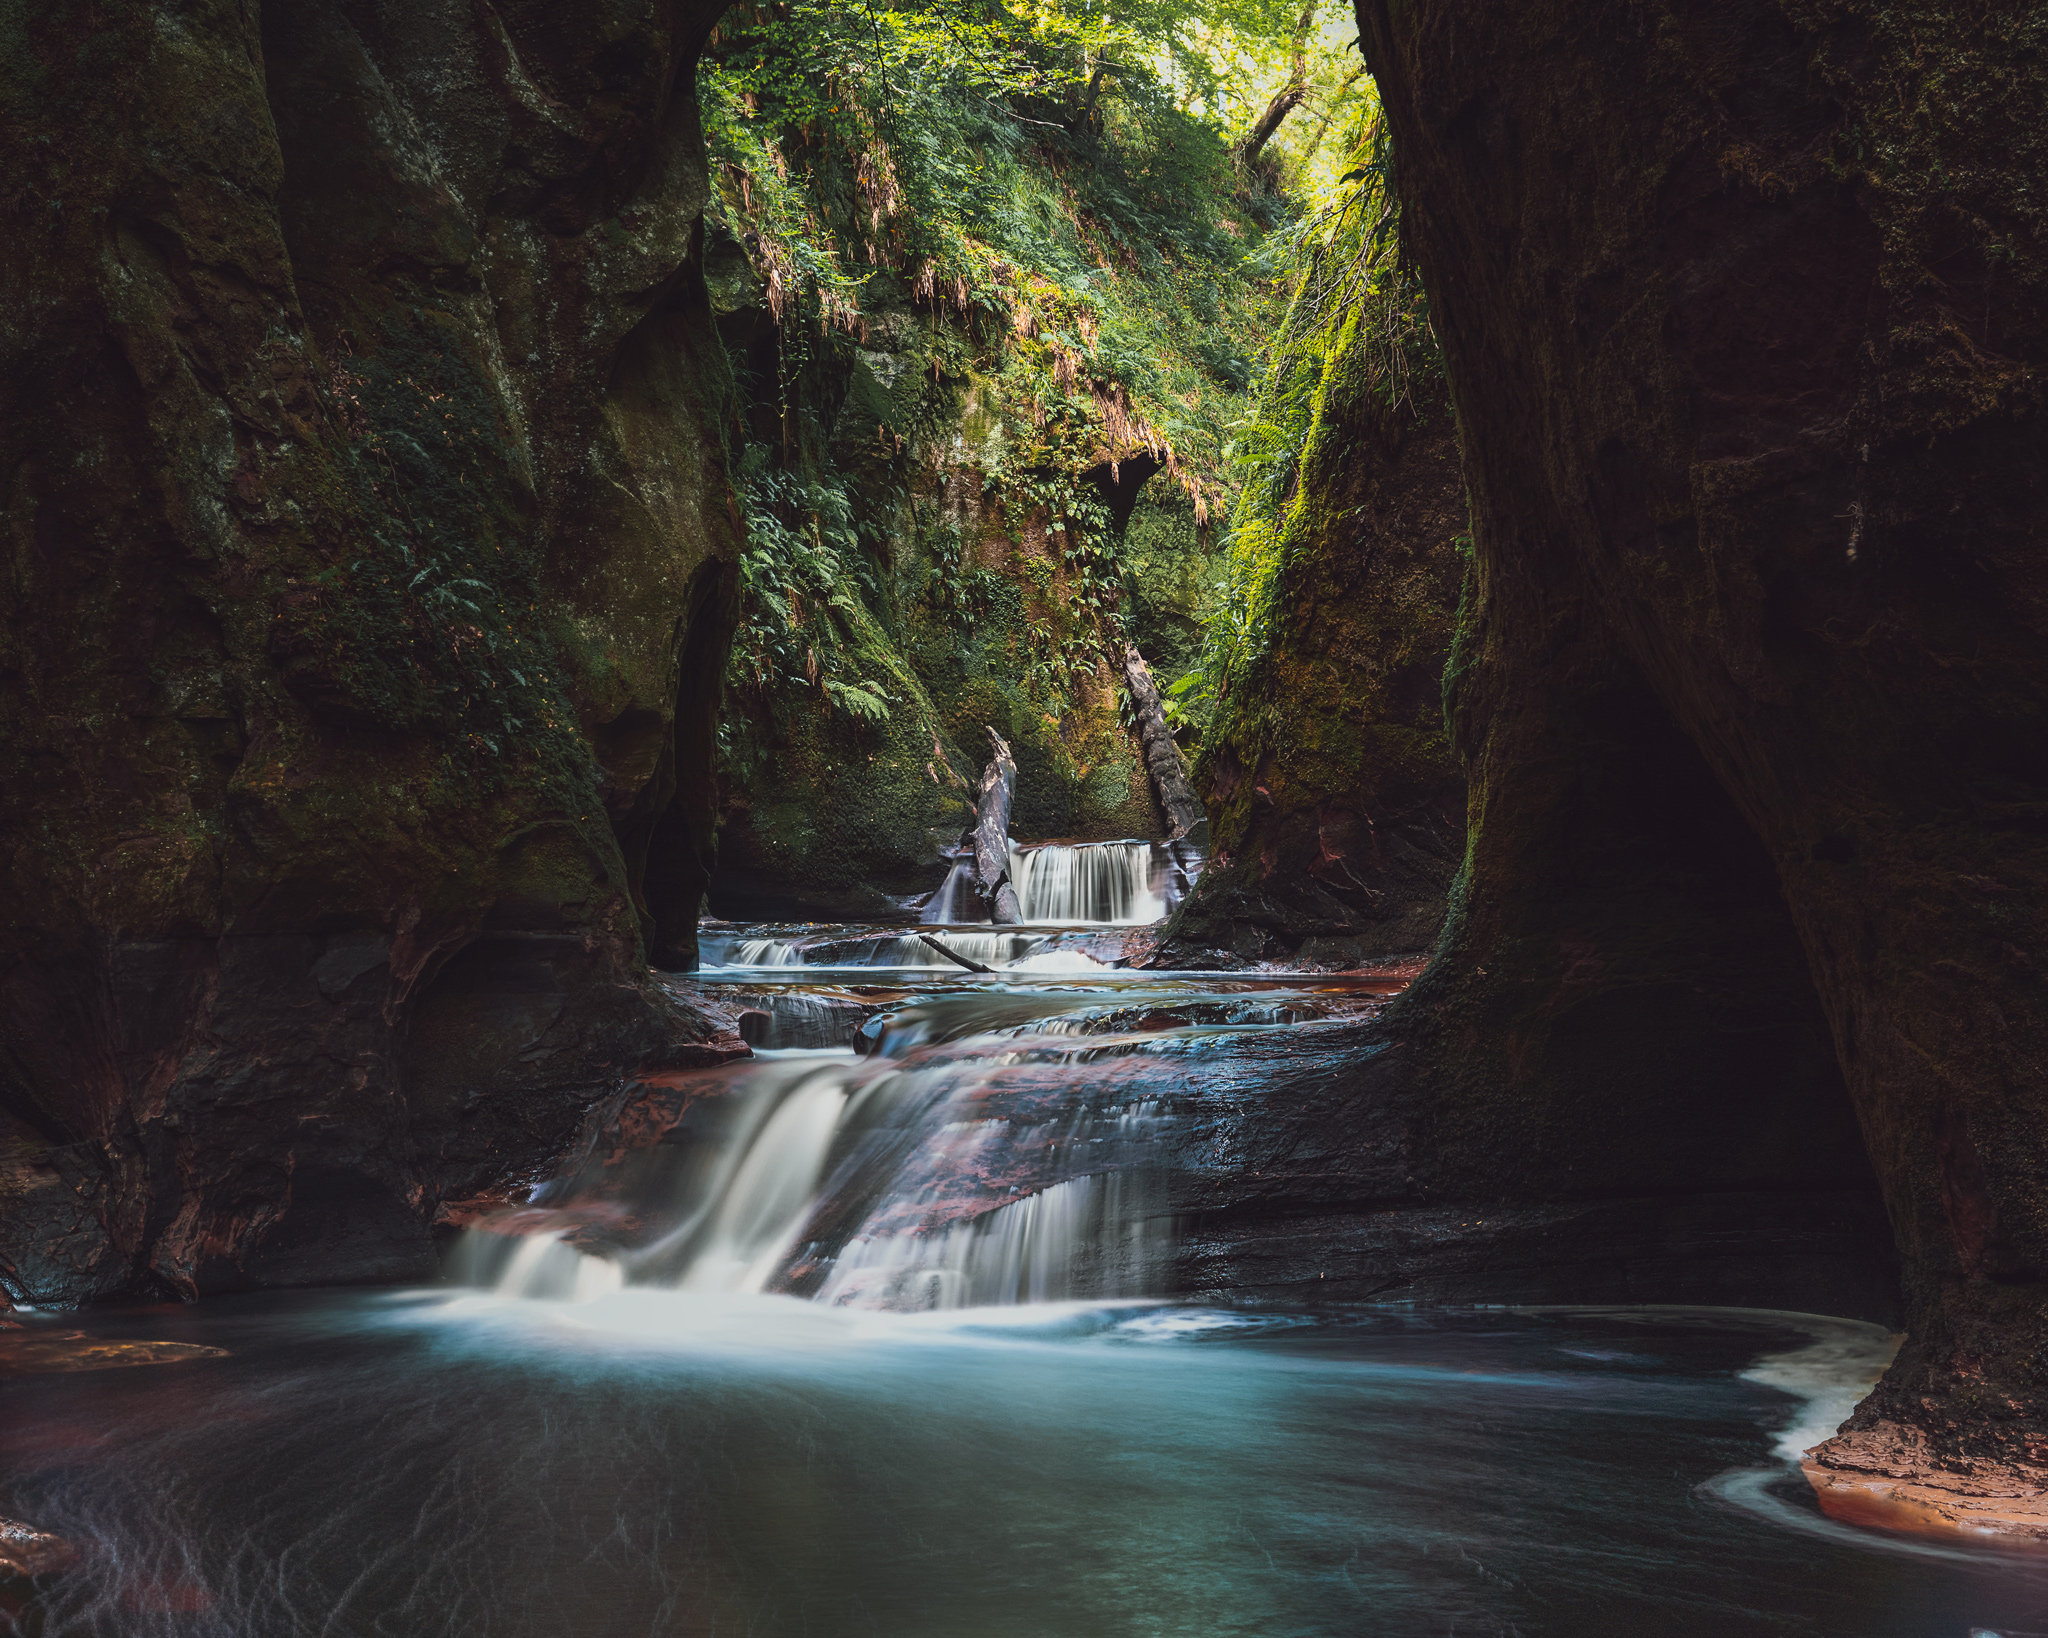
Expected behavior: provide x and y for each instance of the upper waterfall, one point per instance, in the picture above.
(1103, 884)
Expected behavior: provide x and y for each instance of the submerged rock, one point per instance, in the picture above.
(27, 1551)
(43, 1353)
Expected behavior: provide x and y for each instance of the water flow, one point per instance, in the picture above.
(1099, 884)
(1025, 951)
(1119, 884)
(747, 1224)
(876, 1183)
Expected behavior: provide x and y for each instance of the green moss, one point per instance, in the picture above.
(1172, 565)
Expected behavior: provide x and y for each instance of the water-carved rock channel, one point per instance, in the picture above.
(896, 1327)
(949, 819)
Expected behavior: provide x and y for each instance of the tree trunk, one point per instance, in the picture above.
(992, 835)
(954, 955)
(1177, 799)
(1288, 98)
(1285, 101)
(1079, 122)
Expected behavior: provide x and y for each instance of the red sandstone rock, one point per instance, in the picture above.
(25, 1550)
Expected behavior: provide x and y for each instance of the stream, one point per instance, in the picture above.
(872, 1334)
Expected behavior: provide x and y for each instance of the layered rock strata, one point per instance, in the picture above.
(369, 577)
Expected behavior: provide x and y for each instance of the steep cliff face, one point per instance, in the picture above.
(1742, 309)
(368, 582)
(1335, 798)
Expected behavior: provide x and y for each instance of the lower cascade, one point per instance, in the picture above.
(914, 1178)
(914, 1278)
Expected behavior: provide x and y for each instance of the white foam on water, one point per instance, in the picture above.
(1057, 961)
(1828, 1375)
(1838, 1363)
(1181, 1324)
(776, 1054)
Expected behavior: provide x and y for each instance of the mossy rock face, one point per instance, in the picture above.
(367, 536)
(840, 817)
(1172, 561)
(1750, 374)
(1335, 799)
(830, 814)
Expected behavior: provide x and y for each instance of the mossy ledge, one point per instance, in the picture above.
(1335, 798)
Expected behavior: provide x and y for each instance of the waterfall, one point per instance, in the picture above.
(1090, 1233)
(872, 1186)
(535, 1265)
(1103, 883)
(1098, 884)
(742, 1233)
(763, 952)
(955, 901)
(1018, 1253)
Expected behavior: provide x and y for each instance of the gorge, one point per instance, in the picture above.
(524, 526)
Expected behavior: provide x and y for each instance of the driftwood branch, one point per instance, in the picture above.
(992, 834)
(955, 956)
(1177, 799)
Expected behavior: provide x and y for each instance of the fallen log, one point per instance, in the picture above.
(954, 955)
(1177, 799)
(992, 835)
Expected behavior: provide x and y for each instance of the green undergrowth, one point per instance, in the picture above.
(977, 270)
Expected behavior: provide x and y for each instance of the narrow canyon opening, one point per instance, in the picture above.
(1281, 765)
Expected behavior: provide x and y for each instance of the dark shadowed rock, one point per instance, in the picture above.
(370, 576)
(1743, 317)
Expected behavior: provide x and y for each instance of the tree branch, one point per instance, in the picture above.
(1288, 98)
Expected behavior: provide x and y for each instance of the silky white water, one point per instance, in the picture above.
(1100, 884)
(885, 1148)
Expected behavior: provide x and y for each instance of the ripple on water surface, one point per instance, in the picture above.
(655, 1462)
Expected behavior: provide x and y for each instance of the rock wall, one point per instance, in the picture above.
(368, 582)
(1335, 799)
(1742, 307)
